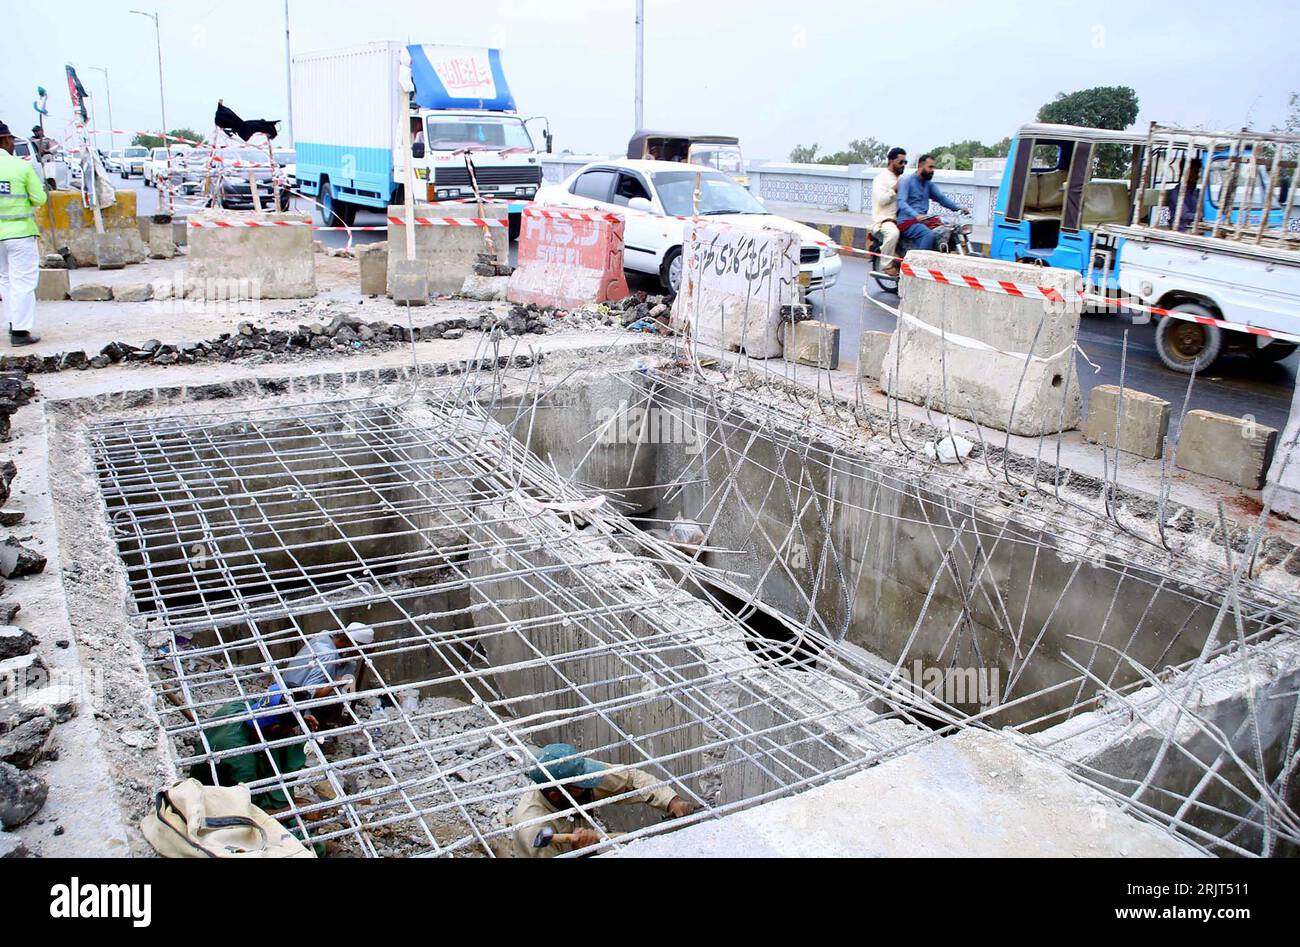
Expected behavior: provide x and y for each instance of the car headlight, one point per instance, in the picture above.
(828, 252)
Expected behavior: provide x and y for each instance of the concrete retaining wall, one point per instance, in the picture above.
(1007, 361)
(278, 261)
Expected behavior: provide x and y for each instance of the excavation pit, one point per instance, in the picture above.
(509, 536)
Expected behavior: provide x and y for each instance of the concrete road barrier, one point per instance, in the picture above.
(734, 282)
(65, 222)
(277, 262)
(1237, 450)
(968, 352)
(568, 263)
(1144, 420)
(447, 252)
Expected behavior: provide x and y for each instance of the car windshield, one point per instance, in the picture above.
(718, 194)
(495, 134)
(21, 149)
(159, 154)
(136, 152)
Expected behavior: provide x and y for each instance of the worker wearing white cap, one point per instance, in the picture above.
(331, 658)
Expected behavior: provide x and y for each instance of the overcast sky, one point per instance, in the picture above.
(917, 72)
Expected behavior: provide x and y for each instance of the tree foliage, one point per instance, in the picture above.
(866, 151)
(156, 141)
(960, 155)
(1099, 107)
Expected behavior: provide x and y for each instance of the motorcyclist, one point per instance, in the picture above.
(915, 192)
(884, 207)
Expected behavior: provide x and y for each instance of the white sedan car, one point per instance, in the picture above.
(652, 195)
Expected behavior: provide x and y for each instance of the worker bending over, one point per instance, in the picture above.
(563, 832)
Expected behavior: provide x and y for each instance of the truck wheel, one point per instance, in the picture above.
(670, 273)
(330, 210)
(1273, 352)
(1183, 345)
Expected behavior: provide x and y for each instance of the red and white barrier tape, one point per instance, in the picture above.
(419, 222)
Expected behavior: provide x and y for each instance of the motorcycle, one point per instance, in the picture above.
(951, 238)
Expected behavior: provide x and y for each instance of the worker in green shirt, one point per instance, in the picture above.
(257, 764)
(21, 192)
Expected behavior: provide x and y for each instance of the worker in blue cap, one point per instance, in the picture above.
(548, 807)
(263, 721)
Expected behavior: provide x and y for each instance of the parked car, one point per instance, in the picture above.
(133, 160)
(164, 162)
(652, 195)
(53, 172)
(287, 159)
(235, 171)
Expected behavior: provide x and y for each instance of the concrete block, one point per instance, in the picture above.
(65, 222)
(53, 284)
(981, 342)
(373, 259)
(1282, 491)
(160, 242)
(110, 250)
(447, 252)
(408, 282)
(813, 343)
(1144, 420)
(91, 292)
(568, 263)
(735, 280)
(276, 262)
(871, 354)
(180, 232)
(1226, 448)
(144, 223)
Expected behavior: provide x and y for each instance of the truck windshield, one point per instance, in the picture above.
(496, 134)
(724, 158)
(718, 194)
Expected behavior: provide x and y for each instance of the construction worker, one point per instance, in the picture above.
(560, 761)
(320, 660)
(272, 724)
(21, 192)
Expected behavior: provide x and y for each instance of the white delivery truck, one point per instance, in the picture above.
(347, 115)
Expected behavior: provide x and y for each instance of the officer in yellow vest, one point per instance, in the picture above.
(21, 192)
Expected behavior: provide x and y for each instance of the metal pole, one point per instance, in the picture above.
(288, 72)
(108, 94)
(162, 101)
(640, 65)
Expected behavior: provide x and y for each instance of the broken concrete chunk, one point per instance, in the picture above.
(133, 293)
(15, 642)
(21, 674)
(21, 796)
(11, 517)
(91, 292)
(27, 744)
(17, 560)
(11, 846)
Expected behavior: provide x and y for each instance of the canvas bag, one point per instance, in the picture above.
(192, 820)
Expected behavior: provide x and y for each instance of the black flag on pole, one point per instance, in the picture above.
(77, 92)
(232, 124)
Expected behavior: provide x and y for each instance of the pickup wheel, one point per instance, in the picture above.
(1184, 345)
(670, 273)
(332, 213)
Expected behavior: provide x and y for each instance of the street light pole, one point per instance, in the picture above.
(112, 129)
(640, 65)
(288, 72)
(162, 101)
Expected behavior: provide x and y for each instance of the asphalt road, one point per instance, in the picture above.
(1236, 386)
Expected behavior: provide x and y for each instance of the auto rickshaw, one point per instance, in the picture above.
(721, 152)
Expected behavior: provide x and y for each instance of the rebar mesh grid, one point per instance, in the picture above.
(515, 606)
